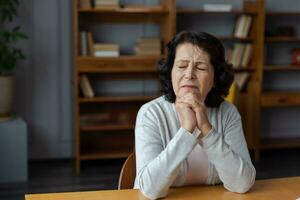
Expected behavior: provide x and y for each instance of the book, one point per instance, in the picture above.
(86, 87)
(246, 26)
(239, 26)
(242, 27)
(85, 4)
(148, 46)
(90, 44)
(83, 43)
(106, 53)
(106, 47)
(106, 50)
(106, 3)
(237, 54)
(241, 80)
(217, 7)
(246, 55)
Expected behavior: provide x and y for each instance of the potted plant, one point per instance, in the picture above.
(10, 55)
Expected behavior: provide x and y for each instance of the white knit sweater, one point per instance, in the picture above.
(162, 148)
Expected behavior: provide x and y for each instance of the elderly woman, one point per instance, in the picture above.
(191, 135)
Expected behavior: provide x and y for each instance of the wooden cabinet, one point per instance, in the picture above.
(111, 132)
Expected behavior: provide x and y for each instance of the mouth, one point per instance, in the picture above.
(189, 86)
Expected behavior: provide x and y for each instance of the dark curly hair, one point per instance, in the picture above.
(223, 71)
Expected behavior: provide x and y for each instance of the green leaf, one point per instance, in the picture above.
(9, 55)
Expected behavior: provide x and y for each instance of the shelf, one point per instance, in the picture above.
(280, 99)
(243, 69)
(280, 143)
(121, 64)
(279, 13)
(232, 38)
(282, 39)
(201, 11)
(127, 10)
(108, 127)
(109, 99)
(105, 154)
(281, 68)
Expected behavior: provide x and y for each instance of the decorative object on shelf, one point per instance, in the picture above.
(217, 7)
(148, 46)
(296, 56)
(9, 55)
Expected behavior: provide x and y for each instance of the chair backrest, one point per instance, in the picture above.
(127, 175)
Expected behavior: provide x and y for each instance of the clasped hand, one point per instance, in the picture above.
(192, 113)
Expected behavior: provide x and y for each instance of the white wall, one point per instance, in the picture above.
(44, 78)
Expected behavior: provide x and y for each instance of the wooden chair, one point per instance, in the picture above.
(127, 175)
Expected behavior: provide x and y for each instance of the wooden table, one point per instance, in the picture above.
(270, 189)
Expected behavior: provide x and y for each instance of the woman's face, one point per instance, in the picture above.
(192, 71)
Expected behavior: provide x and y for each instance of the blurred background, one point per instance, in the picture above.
(73, 74)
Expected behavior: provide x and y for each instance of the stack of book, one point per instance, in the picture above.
(106, 4)
(106, 50)
(241, 54)
(85, 4)
(242, 26)
(148, 46)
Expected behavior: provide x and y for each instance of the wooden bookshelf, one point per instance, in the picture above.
(279, 143)
(107, 127)
(250, 103)
(201, 11)
(281, 13)
(121, 64)
(111, 99)
(105, 154)
(236, 39)
(108, 140)
(282, 39)
(282, 99)
(127, 10)
(281, 68)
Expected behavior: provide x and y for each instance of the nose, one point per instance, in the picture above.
(189, 73)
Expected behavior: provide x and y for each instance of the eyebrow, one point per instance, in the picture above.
(187, 61)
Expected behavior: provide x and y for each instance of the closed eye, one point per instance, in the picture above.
(182, 66)
(201, 68)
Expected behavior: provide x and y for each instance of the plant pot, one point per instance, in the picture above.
(6, 97)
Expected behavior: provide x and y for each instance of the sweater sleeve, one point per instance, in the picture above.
(229, 154)
(158, 163)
